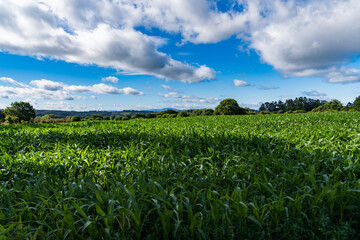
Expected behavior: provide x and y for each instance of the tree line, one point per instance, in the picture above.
(304, 104)
(23, 112)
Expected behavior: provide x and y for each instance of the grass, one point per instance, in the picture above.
(216, 177)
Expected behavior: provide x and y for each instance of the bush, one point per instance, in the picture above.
(75, 118)
(106, 118)
(264, 112)
(229, 106)
(299, 111)
(118, 118)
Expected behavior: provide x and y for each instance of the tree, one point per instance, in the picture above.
(21, 111)
(229, 106)
(2, 116)
(356, 104)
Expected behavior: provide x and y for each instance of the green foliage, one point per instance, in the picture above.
(138, 115)
(356, 104)
(20, 111)
(299, 103)
(118, 118)
(150, 115)
(96, 117)
(334, 105)
(2, 116)
(292, 176)
(126, 117)
(183, 114)
(75, 118)
(229, 107)
(207, 112)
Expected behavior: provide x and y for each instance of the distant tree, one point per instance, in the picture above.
(197, 112)
(150, 115)
(2, 116)
(126, 117)
(20, 111)
(183, 114)
(207, 112)
(112, 117)
(229, 106)
(96, 117)
(106, 118)
(118, 118)
(138, 115)
(356, 104)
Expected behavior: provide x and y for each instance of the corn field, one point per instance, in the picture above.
(292, 176)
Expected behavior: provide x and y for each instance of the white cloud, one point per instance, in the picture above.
(48, 85)
(12, 81)
(89, 32)
(46, 89)
(268, 87)
(314, 93)
(344, 75)
(239, 83)
(190, 99)
(166, 87)
(110, 79)
(309, 38)
(298, 38)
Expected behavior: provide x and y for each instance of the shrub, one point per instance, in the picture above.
(118, 118)
(75, 118)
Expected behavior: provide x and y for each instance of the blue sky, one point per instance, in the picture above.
(141, 54)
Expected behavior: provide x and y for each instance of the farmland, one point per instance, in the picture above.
(291, 176)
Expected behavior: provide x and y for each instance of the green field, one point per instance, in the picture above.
(217, 177)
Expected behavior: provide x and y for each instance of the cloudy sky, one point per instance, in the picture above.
(145, 54)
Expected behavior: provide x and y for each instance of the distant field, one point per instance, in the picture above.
(217, 177)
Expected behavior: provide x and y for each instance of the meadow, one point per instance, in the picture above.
(289, 176)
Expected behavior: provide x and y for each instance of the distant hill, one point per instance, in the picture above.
(82, 114)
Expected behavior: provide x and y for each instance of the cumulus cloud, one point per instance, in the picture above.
(110, 79)
(309, 38)
(314, 93)
(46, 89)
(344, 75)
(298, 38)
(73, 31)
(239, 83)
